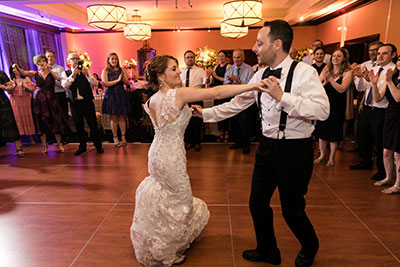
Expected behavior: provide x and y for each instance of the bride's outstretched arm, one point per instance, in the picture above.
(186, 94)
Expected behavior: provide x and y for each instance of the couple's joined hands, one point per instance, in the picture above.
(269, 85)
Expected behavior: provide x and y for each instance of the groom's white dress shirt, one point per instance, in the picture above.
(307, 101)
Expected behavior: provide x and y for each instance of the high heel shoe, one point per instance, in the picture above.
(60, 148)
(319, 160)
(116, 142)
(20, 153)
(124, 142)
(44, 150)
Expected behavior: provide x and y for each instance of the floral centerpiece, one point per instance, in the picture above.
(303, 53)
(206, 58)
(130, 65)
(87, 62)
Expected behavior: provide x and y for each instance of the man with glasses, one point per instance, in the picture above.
(78, 82)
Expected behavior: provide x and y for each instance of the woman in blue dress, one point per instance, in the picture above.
(115, 102)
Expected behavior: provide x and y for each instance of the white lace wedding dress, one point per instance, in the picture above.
(167, 217)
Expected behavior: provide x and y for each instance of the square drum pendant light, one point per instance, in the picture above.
(106, 16)
(243, 13)
(233, 31)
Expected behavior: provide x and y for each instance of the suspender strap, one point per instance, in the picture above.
(288, 87)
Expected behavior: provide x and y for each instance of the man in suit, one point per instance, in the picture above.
(284, 157)
(195, 77)
(78, 82)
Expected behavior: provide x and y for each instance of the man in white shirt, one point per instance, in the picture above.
(310, 58)
(242, 123)
(284, 157)
(195, 77)
(78, 82)
(370, 124)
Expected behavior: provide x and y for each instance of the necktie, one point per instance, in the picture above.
(268, 72)
(237, 74)
(187, 77)
(369, 96)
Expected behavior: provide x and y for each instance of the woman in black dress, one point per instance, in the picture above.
(319, 55)
(218, 75)
(49, 117)
(391, 127)
(8, 127)
(336, 78)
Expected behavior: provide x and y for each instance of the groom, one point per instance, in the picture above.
(284, 157)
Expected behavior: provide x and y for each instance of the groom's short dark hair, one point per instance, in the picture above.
(280, 29)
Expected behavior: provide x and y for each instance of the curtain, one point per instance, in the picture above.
(33, 47)
(3, 55)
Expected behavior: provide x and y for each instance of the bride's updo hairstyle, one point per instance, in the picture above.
(156, 66)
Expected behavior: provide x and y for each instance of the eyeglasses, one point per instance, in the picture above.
(373, 50)
(74, 58)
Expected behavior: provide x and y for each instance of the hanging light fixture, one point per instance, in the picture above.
(136, 29)
(243, 13)
(233, 31)
(106, 16)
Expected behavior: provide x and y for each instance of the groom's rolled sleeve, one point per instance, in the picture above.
(229, 109)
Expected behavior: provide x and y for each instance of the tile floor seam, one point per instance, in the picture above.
(358, 218)
(229, 216)
(101, 224)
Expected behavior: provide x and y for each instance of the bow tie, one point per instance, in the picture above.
(268, 72)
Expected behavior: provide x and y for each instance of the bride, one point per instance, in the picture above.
(167, 217)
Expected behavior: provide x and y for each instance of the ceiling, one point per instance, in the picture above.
(170, 14)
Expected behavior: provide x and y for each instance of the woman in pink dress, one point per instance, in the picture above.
(20, 98)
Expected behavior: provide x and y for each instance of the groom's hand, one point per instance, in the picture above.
(197, 111)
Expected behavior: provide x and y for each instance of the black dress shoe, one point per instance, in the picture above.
(79, 151)
(361, 166)
(252, 255)
(305, 259)
(189, 146)
(197, 147)
(235, 146)
(100, 150)
(246, 150)
(378, 176)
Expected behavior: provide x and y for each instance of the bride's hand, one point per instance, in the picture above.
(271, 86)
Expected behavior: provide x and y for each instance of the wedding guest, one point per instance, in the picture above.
(195, 77)
(79, 81)
(391, 127)
(49, 117)
(293, 53)
(218, 75)
(241, 73)
(97, 89)
(336, 78)
(370, 121)
(8, 126)
(167, 216)
(115, 101)
(319, 55)
(310, 58)
(284, 157)
(20, 98)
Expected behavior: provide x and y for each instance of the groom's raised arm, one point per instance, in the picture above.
(229, 109)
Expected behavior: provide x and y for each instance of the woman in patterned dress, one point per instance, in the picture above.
(49, 117)
(20, 98)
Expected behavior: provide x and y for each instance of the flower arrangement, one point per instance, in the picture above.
(303, 53)
(129, 63)
(206, 58)
(87, 62)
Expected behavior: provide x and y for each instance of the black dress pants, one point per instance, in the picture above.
(286, 164)
(193, 130)
(84, 109)
(370, 130)
(244, 124)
